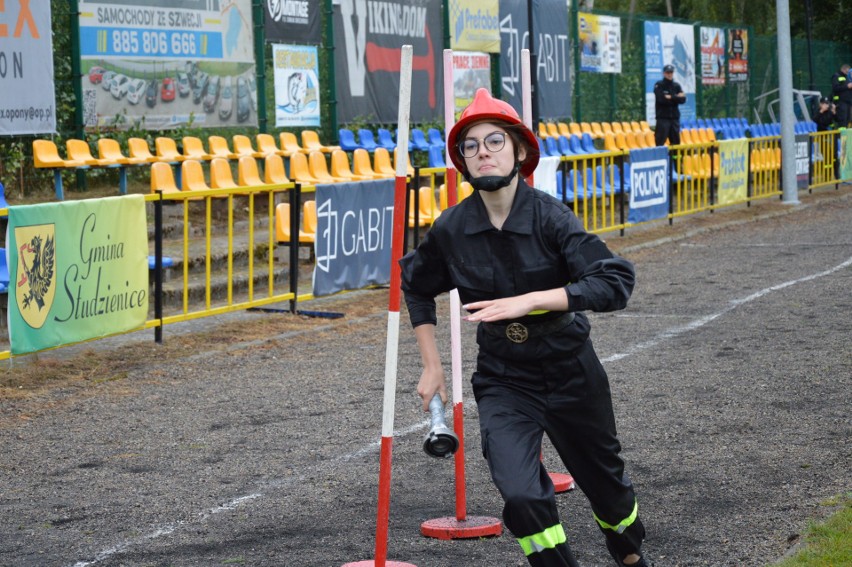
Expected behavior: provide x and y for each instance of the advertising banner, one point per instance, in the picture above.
(368, 39)
(649, 184)
(471, 71)
(474, 25)
(600, 43)
(802, 160)
(733, 171)
(292, 20)
(553, 54)
(297, 92)
(712, 56)
(27, 97)
(354, 235)
(669, 44)
(78, 270)
(167, 63)
(737, 55)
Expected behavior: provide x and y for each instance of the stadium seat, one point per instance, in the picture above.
(575, 145)
(552, 146)
(419, 141)
(289, 144)
(586, 128)
(366, 140)
(242, 146)
(408, 170)
(4, 272)
(340, 168)
(282, 227)
(436, 157)
(193, 148)
(311, 143)
(266, 146)
(247, 173)
(597, 130)
(564, 146)
(309, 217)
(3, 203)
(274, 172)
(606, 128)
(542, 131)
(552, 130)
(138, 149)
(162, 178)
(410, 143)
(110, 150)
(221, 176)
(386, 139)
(299, 170)
(361, 164)
(78, 150)
(428, 206)
(609, 142)
(167, 150)
(192, 175)
(347, 140)
(319, 168)
(588, 145)
(382, 163)
(435, 138)
(562, 128)
(616, 128)
(218, 147)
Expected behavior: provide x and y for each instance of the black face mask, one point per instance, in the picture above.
(489, 183)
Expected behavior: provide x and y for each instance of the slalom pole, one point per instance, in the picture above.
(561, 482)
(392, 346)
(461, 526)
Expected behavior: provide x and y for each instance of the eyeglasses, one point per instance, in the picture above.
(494, 142)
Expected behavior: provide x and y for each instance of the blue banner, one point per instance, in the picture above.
(649, 184)
(354, 235)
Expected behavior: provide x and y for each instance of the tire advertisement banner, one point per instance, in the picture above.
(733, 171)
(368, 39)
(600, 43)
(297, 92)
(27, 92)
(553, 54)
(649, 184)
(292, 20)
(712, 56)
(78, 270)
(669, 44)
(167, 63)
(475, 25)
(354, 235)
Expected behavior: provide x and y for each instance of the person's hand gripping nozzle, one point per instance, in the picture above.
(440, 442)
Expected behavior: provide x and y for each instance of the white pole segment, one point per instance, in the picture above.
(391, 348)
(404, 119)
(526, 88)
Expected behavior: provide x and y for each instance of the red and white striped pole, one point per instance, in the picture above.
(561, 482)
(392, 346)
(461, 526)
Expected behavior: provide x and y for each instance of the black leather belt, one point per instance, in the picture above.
(520, 332)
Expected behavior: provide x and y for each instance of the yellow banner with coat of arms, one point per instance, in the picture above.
(77, 271)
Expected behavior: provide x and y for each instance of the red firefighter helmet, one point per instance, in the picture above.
(489, 109)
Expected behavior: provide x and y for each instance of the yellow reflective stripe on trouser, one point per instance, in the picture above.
(548, 539)
(623, 524)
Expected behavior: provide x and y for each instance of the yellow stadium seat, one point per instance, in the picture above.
(616, 128)
(686, 137)
(643, 124)
(300, 172)
(755, 162)
(606, 128)
(193, 148)
(597, 130)
(162, 178)
(340, 167)
(465, 190)
(192, 175)
(625, 126)
(221, 176)
(289, 144)
(428, 206)
(319, 168)
(78, 150)
(711, 135)
(311, 142)
(586, 128)
(409, 170)
(110, 150)
(630, 141)
(138, 149)
(309, 216)
(650, 139)
(361, 164)
(621, 141)
(552, 130)
(382, 163)
(46, 154)
(218, 146)
(282, 226)
(274, 172)
(563, 129)
(422, 219)
(575, 129)
(242, 146)
(635, 126)
(266, 146)
(542, 131)
(247, 174)
(609, 142)
(167, 151)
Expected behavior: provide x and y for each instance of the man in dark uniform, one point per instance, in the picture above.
(668, 95)
(826, 116)
(841, 88)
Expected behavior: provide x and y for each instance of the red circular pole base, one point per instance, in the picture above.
(562, 482)
(451, 528)
(372, 563)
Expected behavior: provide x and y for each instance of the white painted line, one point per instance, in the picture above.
(375, 446)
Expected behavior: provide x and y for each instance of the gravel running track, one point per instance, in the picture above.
(730, 369)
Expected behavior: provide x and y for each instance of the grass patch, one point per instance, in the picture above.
(828, 543)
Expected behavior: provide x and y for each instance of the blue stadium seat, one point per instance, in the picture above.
(588, 145)
(436, 157)
(435, 138)
(3, 203)
(574, 144)
(348, 143)
(564, 146)
(4, 272)
(366, 139)
(418, 140)
(561, 193)
(552, 147)
(542, 149)
(386, 139)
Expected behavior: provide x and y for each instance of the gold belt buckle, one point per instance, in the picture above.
(517, 333)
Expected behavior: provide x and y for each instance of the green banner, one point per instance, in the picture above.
(846, 154)
(78, 270)
(733, 171)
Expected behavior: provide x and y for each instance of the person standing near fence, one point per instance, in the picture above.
(668, 95)
(841, 88)
(825, 116)
(526, 270)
